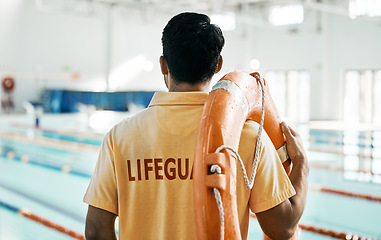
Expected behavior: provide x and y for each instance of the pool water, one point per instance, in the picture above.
(40, 182)
(51, 194)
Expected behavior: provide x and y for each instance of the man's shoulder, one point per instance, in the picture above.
(250, 133)
(251, 126)
(250, 129)
(131, 123)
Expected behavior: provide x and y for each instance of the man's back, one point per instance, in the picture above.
(139, 176)
(151, 158)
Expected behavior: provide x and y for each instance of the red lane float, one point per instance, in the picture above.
(233, 100)
(51, 224)
(346, 193)
(328, 232)
(28, 214)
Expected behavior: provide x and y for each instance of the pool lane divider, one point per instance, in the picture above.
(43, 202)
(328, 167)
(320, 188)
(328, 232)
(26, 213)
(66, 169)
(46, 222)
(334, 234)
(25, 159)
(50, 142)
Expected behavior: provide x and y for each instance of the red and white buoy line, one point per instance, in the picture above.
(41, 220)
(58, 227)
(50, 142)
(67, 132)
(312, 186)
(336, 168)
(320, 188)
(329, 232)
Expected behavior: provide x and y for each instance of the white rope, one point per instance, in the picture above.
(215, 169)
(217, 195)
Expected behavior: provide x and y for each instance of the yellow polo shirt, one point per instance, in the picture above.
(144, 171)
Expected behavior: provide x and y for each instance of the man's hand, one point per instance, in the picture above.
(294, 144)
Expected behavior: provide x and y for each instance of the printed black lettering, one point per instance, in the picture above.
(158, 168)
(181, 176)
(130, 177)
(139, 170)
(191, 177)
(147, 168)
(171, 174)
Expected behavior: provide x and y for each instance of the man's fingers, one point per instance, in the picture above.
(285, 129)
(292, 131)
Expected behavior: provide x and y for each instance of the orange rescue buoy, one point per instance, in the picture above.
(8, 83)
(233, 100)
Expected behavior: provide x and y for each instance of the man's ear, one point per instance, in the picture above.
(163, 65)
(220, 61)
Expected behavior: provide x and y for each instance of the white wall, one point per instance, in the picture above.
(54, 45)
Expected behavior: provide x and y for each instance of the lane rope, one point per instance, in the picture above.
(329, 232)
(46, 222)
(341, 169)
(320, 188)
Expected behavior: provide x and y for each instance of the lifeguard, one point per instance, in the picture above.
(163, 208)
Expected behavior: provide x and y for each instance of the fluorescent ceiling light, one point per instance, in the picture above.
(255, 64)
(370, 8)
(285, 15)
(226, 21)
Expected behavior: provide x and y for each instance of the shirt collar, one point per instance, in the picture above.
(178, 98)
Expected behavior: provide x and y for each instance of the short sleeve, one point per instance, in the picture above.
(102, 190)
(272, 185)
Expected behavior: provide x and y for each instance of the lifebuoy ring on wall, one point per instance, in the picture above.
(233, 100)
(8, 83)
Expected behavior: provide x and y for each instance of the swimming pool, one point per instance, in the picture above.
(53, 177)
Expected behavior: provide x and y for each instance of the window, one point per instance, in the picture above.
(362, 100)
(362, 104)
(286, 15)
(369, 8)
(291, 93)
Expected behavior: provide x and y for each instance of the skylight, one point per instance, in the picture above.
(226, 21)
(286, 15)
(369, 8)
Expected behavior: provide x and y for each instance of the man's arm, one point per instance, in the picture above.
(280, 222)
(100, 224)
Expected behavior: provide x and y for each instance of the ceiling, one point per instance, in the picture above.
(331, 6)
(246, 8)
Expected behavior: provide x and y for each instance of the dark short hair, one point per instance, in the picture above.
(192, 47)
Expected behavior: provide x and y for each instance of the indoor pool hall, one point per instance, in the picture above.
(91, 88)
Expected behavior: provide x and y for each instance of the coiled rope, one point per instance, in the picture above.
(215, 169)
(36, 218)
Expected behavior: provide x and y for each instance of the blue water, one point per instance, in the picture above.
(80, 162)
(55, 135)
(42, 187)
(53, 195)
(361, 139)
